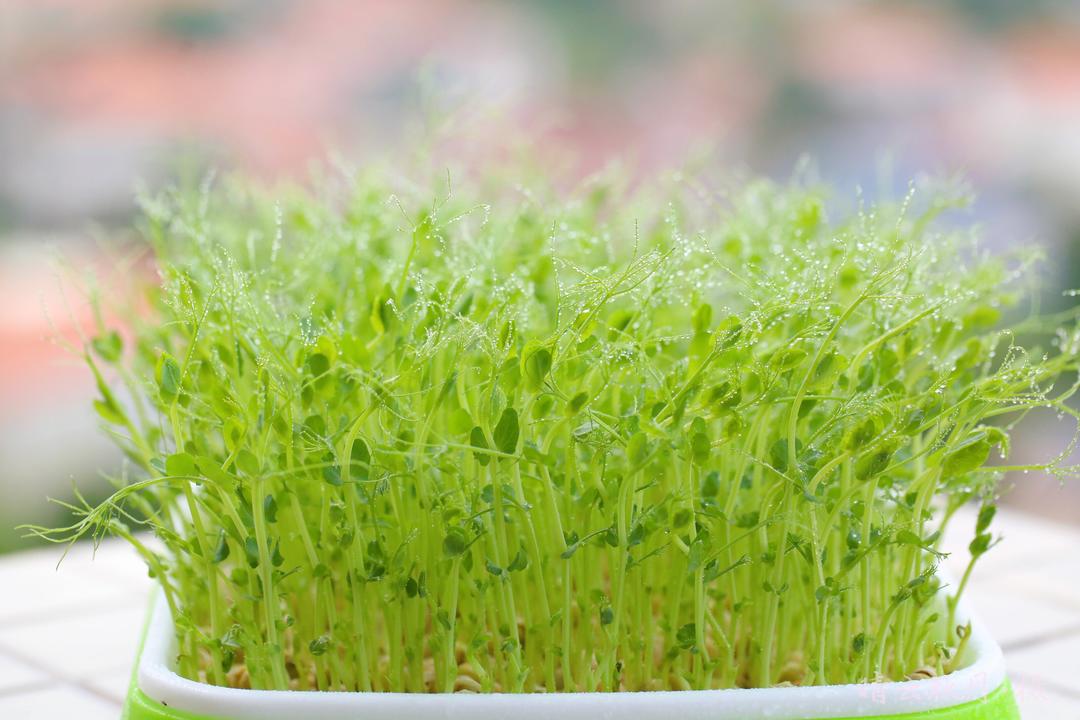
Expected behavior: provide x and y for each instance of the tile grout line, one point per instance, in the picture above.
(1050, 597)
(1040, 682)
(53, 614)
(102, 695)
(1040, 639)
(80, 573)
(1072, 604)
(54, 676)
(25, 687)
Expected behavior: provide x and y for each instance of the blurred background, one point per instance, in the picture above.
(97, 96)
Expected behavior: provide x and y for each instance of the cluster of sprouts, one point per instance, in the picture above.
(674, 440)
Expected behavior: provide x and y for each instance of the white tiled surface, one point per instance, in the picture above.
(68, 636)
(1039, 702)
(16, 676)
(59, 702)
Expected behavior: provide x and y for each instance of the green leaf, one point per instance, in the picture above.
(317, 365)
(455, 543)
(248, 464)
(853, 539)
(710, 485)
(212, 471)
(506, 432)
(459, 421)
(725, 396)
(788, 358)
(969, 455)
(109, 412)
(696, 556)
(576, 403)
(980, 544)
(534, 454)
(360, 456)
(270, 509)
(251, 550)
(536, 364)
(874, 462)
(637, 449)
(180, 465)
(221, 552)
(686, 636)
(520, 562)
(331, 473)
(316, 425)
(700, 448)
(986, 516)
(360, 453)
(108, 346)
(168, 377)
(377, 315)
(477, 440)
(702, 318)
(319, 645)
(906, 537)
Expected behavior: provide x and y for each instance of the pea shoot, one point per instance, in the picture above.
(522, 442)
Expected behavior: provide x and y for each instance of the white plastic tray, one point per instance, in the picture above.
(983, 672)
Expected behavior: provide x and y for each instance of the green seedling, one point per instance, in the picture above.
(592, 443)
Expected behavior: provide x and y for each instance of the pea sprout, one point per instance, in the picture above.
(539, 442)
